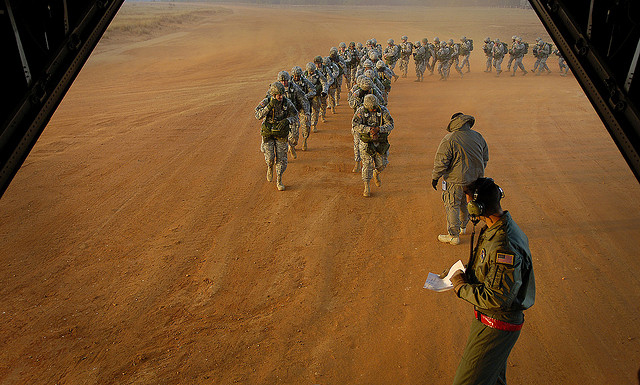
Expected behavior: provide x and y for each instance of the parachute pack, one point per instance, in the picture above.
(470, 45)
(526, 47)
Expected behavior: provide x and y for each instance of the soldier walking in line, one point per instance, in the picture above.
(406, 49)
(338, 62)
(465, 51)
(334, 72)
(309, 92)
(511, 53)
(488, 51)
(374, 123)
(544, 50)
(420, 58)
(461, 158)
(455, 53)
(300, 101)
(356, 97)
(444, 61)
(519, 50)
(278, 114)
(499, 282)
(353, 64)
(321, 86)
(391, 54)
(328, 76)
(564, 68)
(498, 52)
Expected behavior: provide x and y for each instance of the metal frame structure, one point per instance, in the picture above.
(601, 42)
(44, 44)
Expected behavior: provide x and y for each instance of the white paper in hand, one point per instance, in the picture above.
(435, 283)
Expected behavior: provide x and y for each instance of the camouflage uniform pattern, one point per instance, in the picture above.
(321, 86)
(420, 58)
(498, 51)
(488, 51)
(362, 122)
(406, 51)
(465, 51)
(304, 115)
(275, 149)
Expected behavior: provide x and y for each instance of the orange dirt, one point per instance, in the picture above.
(142, 244)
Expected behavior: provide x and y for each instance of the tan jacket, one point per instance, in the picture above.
(462, 154)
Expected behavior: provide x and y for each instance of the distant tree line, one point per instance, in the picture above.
(435, 3)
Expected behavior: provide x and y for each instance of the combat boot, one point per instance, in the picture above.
(304, 144)
(293, 152)
(367, 190)
(269, 172)
(279, 183)
(376, 178)
(356, 167)
(450, 239)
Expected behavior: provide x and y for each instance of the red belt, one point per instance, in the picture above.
(496, 324)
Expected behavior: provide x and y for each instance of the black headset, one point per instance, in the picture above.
(476, 207)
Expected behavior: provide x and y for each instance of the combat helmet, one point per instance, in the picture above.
(514, 37)
(436, 40)
(283, 76)
(365, 83)
(404, 38)
(497, 41)
(276, 88)
(425, 41)
(342, 44)
(380, 64)
(326, 61)
(333, 52)
(352, 44)
(367, 64)
(370, 74)
(317, 59)
(359, 45)
(390, 41)
(487, 40)
(311, 67)
(518, 39)
(296, 71)
(417, 43)
(463, 38)
(450, 42)
(370, 102)
(373, 55)
(374, 42)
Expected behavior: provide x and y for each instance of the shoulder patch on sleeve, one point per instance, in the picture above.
(503, 258)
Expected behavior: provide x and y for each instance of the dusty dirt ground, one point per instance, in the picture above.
(142, 244)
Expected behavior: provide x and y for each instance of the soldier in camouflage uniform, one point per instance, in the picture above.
(511, 53)
(338, 62)
(434, 53)
(391, 54)
(309, 91)
(278, 114)
(321, 86)
(498, 53)
(353, 65)
(420, 58)
(519, 49)
(564, 68)
(444, 61)
(345, 55)
(406, 49)
(534, 51)
(488, 51)
(385, 74)
(544, 50)
(334, 72)
(499, 282)
(373, 75)
(356, 97)
(455, 53)
(461, 158)
(327, 73)
(299, 100)
(465, 51)
(374, 123)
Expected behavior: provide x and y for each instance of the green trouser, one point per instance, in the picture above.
(484, 361)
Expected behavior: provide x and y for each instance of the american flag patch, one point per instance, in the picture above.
(507, 259)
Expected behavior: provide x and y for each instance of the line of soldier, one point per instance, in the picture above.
(495, 52)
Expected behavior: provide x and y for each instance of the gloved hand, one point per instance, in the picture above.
(434, 183)
(444, 273)
(272, 102)
(458, 279)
